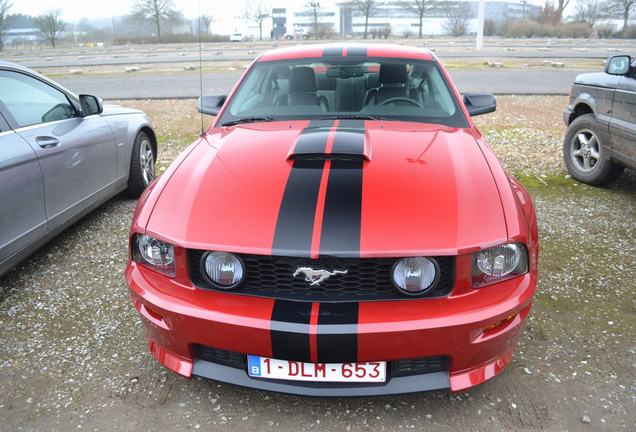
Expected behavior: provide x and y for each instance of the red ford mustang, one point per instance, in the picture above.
(342, 229)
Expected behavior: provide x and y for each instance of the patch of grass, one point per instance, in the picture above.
(546, 183)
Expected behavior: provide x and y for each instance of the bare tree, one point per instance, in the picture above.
(51, 25)
(625, 8)
(549, 14)
(256, 11)
(155, 11)
(313, 9)
(458, 14)
(561, 5)
(590, 10)
(419, 9)
(205, 22)
(366, 8)
(5, 5)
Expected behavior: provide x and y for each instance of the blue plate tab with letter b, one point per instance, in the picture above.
(253, 365)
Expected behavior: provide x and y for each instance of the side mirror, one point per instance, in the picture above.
(618, 65)
(90, 105)
(210, 105)
(478, 104)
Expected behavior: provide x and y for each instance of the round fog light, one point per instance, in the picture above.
(223, 269)
(415, 275)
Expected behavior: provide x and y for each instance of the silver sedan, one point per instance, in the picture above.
(61, 156)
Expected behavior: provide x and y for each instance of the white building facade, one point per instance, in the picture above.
(341, 18)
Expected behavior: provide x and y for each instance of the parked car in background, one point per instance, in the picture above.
(343, 229)
(601, 118)
(61, 156)
(236, 37)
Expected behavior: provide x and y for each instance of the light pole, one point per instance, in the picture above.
(481, 12)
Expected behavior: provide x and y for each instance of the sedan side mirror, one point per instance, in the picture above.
(90, 105)
(618, 65)
(478, 104)
(210, 105)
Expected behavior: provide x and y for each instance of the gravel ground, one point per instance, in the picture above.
(73, 353)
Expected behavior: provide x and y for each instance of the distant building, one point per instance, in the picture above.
(15, 36)
(499, 11)
(393, 13)
(343, 18)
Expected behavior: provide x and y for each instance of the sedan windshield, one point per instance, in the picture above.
(387, 89)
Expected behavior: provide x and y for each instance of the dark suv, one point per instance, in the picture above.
(601, 119)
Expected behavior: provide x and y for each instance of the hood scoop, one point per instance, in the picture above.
(340, 144)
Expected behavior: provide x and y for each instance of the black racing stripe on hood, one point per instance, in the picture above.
(340, 234)
(357, 51)
(292, 344)
(341, 347)
(295, 223)
(332, 52)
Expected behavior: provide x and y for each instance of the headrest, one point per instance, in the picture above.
(302, 80)
(391, 73)
(282, 71)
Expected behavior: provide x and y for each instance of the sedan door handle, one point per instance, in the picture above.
(47, 142)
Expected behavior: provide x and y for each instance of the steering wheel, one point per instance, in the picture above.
(401, 99)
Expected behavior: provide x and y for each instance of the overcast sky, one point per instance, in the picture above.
(76, 9)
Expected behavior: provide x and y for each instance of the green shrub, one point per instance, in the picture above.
(605, 31)
(531, 29)
(629, 32)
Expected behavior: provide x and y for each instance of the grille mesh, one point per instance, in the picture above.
(422, 365)
(367, 278)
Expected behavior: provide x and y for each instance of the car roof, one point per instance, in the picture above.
(345, 50)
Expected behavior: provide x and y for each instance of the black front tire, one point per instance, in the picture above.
(604, 170)
(142, 165)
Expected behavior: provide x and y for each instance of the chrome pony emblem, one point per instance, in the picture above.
(315, 277)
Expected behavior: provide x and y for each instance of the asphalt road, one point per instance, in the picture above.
(135, 58)
(494, 48)
(142, 85)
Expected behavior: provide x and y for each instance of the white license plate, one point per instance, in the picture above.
(263, 367)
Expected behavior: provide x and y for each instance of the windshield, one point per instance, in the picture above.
(389, 89)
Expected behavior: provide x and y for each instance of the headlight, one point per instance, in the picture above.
(415, 275)
(222, 269)
(154, 253)
(499, 263)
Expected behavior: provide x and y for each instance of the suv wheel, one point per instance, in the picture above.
(586, 158)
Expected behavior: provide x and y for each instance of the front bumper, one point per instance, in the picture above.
(475, 329)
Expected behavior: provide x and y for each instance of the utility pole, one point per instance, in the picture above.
(525, 8)
(481, 15)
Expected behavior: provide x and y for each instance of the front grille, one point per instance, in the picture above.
(396, 368)
(419, 366)
(226, 358)
(367, 279)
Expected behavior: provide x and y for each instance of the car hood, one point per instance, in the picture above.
(374, 188)
(597, 79)
(110, 110)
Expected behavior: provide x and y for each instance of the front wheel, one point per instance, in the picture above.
(586, 156)
(142, 165)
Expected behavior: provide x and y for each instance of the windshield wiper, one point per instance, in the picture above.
(248, 120)
(354, 117)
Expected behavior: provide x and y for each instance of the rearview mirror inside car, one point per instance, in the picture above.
(618, 65)
(210, 105)
(90, 105)
(478, 104)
